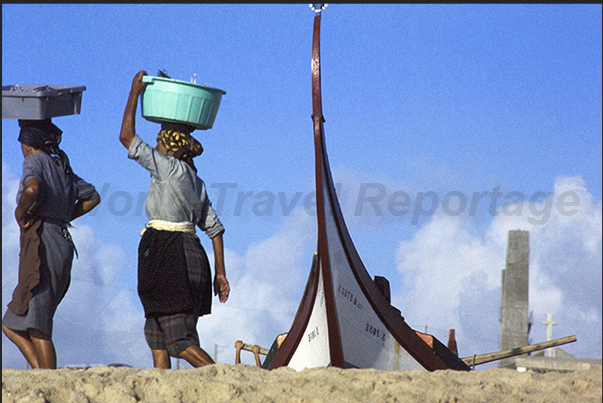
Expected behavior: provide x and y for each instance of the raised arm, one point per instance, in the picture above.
(128, 130)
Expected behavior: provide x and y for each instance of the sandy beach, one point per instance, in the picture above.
(244, 383)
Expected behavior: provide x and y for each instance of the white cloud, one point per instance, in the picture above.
(451, 275)
(10, 229)
(10, 255)
(98, 310)
(266, 286)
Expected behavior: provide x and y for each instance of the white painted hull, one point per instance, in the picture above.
(365, 339)
(313, 349)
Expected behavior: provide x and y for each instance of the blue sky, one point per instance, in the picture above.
(439, 102)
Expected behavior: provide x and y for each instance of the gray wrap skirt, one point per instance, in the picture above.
(56, 254)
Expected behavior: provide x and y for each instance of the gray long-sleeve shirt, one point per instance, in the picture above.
(58, 191)
(176, 193)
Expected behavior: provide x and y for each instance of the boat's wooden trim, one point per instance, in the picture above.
(335, 346)
(295, 334)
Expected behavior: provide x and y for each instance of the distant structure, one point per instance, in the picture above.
(514, 322)
(550, 352)
(553, 359)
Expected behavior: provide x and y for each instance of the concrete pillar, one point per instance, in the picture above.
(514, 295)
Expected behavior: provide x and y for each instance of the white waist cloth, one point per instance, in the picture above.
(162, 225)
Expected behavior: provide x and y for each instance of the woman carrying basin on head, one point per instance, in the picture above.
(174, 277)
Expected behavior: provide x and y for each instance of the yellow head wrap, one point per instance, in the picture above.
(183, 145)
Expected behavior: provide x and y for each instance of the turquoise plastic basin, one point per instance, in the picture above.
(169, 100)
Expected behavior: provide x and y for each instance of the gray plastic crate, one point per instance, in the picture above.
(40, 101)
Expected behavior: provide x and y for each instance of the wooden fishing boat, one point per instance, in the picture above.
(345, 318)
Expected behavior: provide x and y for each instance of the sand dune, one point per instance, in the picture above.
(243, 383)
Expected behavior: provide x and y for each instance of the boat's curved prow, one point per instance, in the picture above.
(344, 320)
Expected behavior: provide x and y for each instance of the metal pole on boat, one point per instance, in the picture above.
(318, 7)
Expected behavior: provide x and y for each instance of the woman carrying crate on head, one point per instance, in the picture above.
(50, 196)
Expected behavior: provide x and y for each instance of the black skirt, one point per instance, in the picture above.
(173, 274)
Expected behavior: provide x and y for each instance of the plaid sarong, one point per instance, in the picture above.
(199, 274)
(174, 333)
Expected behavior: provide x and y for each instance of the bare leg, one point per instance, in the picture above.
(24, 343)
(196, 356)
(161, 359)
(47, 355)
